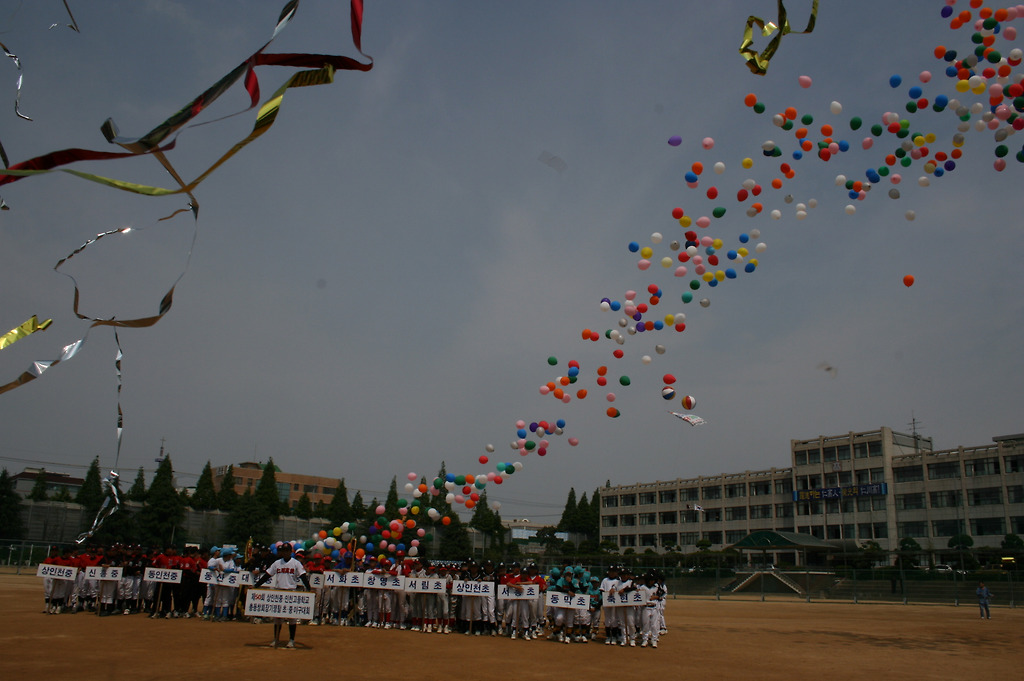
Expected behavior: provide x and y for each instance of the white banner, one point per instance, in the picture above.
(507, 592)
(208, 576)
(613, 599)
(274, 603)
(426, 585)
(388, 582)
(159, 575)
(348, 579)
(557, 599)
(103, 574)
(56, 571)
(471, 588)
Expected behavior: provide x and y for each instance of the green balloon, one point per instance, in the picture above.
(719, 211)
(855, 123)
(530, 444)
(876, 129)
(807, 119)
(687, 297)
(552, 360)
(759, 108)
(694, 284)
(624, 380)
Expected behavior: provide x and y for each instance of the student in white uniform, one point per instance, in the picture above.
(284, 573)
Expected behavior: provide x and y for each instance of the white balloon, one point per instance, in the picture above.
(518, 465)
(646, 359)
(840, 180)
(911, 215)
(836, 108)
(801, 214)
(704, 302)
(656, 238)
(719, 168)
(776, 214)
(754, 233)
(489, 448)
(660, 349)
(850, 209)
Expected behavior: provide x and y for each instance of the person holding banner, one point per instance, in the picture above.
(285, 573)
(650, 621)
(612, 619)
(630, 616)
(215, 564)
(50, 584)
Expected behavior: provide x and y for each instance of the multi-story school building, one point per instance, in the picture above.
(878, 485)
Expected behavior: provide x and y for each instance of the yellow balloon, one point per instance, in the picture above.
(747, 163)
(415, 510)
(720, 275)
(670, 319)
(962, 86)
(685, 221)
(708, 276)
(742, 251)
(646, 252)
(717, 243)
(666, 261)
(336, 531)
(754, 262)
(979, 89)
(930, 138)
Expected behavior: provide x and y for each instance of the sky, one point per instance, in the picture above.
(377, 283)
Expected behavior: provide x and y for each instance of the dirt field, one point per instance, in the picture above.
(706, 640)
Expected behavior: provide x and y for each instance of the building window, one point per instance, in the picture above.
(610, 501)
(783, 510)
(713, 537)
(713, 515)
(1014, 464)
(646, 498)
(628, 500)
(668, 518)
(667, 496)
(761, 512)
(860, 450)
(713, 492)
(987, 526)
(648, 518)
(784, 486)
(800, 458)
(864, 531)
(829, 454)
(760, 489)
(735, 490)
(877, 503)
(863, 504)
(689, 494)
(976, 467)
(947, 528)
(309, 489)
(877, 475)
(912, 529)
(295, 487)
(628, 520)
(609, 521)
(945, 499)
(627, 540)
(733, 536)
(809, 508)
(881, 531)
(736, 513)
(908, 474)
(648, 540)
(1015, 494)
(985, 496)
(813, 456)
(667, 539)
(1017, 524)
(908, 502)
(688, 538)
(328, 491)
(944, 470)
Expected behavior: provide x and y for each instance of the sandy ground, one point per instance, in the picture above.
(707, 639)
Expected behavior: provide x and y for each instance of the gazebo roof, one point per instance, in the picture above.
(771, 539)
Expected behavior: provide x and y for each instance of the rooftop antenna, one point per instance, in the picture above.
(160, 459)
(913, 431)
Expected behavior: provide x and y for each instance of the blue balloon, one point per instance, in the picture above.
(797, 154)
(895, 80)
(691, 176)
(713, 283)
(915, 92)
(730, 273)
(633, 247)
(744, 238)
(521, 433)
(749, 267)
(560, 423)
(616, 305)
(659, 325)
(844, 145)
(732, 255)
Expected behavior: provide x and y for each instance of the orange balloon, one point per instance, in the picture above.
(558, 393)
(908, 280)
(581, 393)
(446, 520)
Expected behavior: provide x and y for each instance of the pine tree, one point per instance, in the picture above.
(248, 518)
(370, 516)
(455, 542)
(137, 492)
(90, 494)
(266, 491)
(10, 508)
(568, 521)
(358, 508)
(38, 492)
(160, 519)
(340, 511)
(304, 507)
(63, 495)
(487, 521)
(391, 501)
(227, 497)
(205, 496)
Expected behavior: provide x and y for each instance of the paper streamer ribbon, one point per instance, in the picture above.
(26, 328)
(758, 62)
(111, 504)
(73, 25)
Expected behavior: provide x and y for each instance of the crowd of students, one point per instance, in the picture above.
(438, 613)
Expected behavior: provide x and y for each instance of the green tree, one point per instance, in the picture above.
(358, 508)
(205, 496)
(960, 542)
(370, 516)
(38, 492)
(486, 521)
(391, 500)
(90, 494)
(908, 552)
(63, 495)
(568, 521)
(248, 518)
(160, 518)
(10, 508)
(304, 507)
(455, 543)
(226, 495)
(340, 511)
(1012, 542)
(137, 492)
(266, 491)
(320, 509)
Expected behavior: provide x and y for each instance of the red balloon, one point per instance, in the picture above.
(908, 280)
(669, 379)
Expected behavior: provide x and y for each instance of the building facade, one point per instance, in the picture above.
(56, 483)
(877, 486)
(290, 486)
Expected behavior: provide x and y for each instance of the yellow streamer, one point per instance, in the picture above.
(758, 62)
(26, 329)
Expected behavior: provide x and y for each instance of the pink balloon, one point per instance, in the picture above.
(610, 397)
(1010, 33)
(703, 221)
(925, 76)
(896, 178)
(411, 476)
(520, 423)
(707, 143)
(1000, 164)
(573, 441)
(421, 532)
(544, 390)
(630, 295)
(805, 81)
(681, 271)
(380, 509)
(643, 264)
(867, 142)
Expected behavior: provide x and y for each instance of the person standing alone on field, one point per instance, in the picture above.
(983, 597)
(284, 573)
